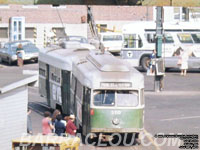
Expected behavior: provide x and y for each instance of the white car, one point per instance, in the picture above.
(112, 42)
(8, 52)
(75, 42)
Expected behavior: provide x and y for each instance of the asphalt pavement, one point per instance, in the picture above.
(175, 110)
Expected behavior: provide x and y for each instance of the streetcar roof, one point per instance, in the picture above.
(105, 63)
(62, 58)
(92, 76)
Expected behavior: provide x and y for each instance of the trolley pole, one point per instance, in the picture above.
(158, 83)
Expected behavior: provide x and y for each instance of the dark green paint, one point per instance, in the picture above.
(129, 118)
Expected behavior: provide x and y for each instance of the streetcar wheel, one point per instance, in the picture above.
(145, 62)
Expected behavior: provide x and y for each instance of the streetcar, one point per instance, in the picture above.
(107, 96)
(55, 66)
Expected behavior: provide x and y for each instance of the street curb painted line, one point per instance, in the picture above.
(151, 139)
(185, 93)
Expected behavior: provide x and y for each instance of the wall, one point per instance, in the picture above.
(13, 114)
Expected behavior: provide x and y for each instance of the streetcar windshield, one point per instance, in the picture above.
(115, 98)
(127, 99)
(104, 98)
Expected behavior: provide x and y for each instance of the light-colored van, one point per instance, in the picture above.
(111, 41)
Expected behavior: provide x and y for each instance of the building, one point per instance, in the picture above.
(43, 22)
(13, 106)
(47, 23)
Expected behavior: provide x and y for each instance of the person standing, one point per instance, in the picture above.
(71, 128)
(184, 63)
(20, 55)
(59, 126)
(47, 126)
(152, 62)
(54, 116)
(29, 122)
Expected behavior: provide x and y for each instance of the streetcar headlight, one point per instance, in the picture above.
(115, 121)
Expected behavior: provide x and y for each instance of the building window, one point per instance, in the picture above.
(195, 13)
(181, 14)
(59, 32)
(3, 32)
(29, 33)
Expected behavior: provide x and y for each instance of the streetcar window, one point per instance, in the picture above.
(127, 99)
(185, 38)
(196, 37)
(79, 90)
(104, 98)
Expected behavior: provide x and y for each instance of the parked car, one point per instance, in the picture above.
(75, 42)
(111, 41)
(8, 52)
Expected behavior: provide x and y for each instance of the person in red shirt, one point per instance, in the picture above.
(71, 128)
(46, 124)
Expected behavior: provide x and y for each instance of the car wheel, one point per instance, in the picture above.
(145, 62)
(9, 61)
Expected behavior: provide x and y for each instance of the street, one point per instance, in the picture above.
(175, 110)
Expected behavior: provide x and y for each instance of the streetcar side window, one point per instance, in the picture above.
(79, 90)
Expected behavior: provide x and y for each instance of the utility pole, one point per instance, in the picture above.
(158, 84)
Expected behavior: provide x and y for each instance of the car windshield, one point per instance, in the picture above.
(112, 38)
(28, 47)
(115, 98)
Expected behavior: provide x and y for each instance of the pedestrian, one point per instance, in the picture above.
(152, 62)
(47, 126)
(55, 114)
(20, 55)
(59, 126)
(184, 63)
(71, 128)
(29, 122)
